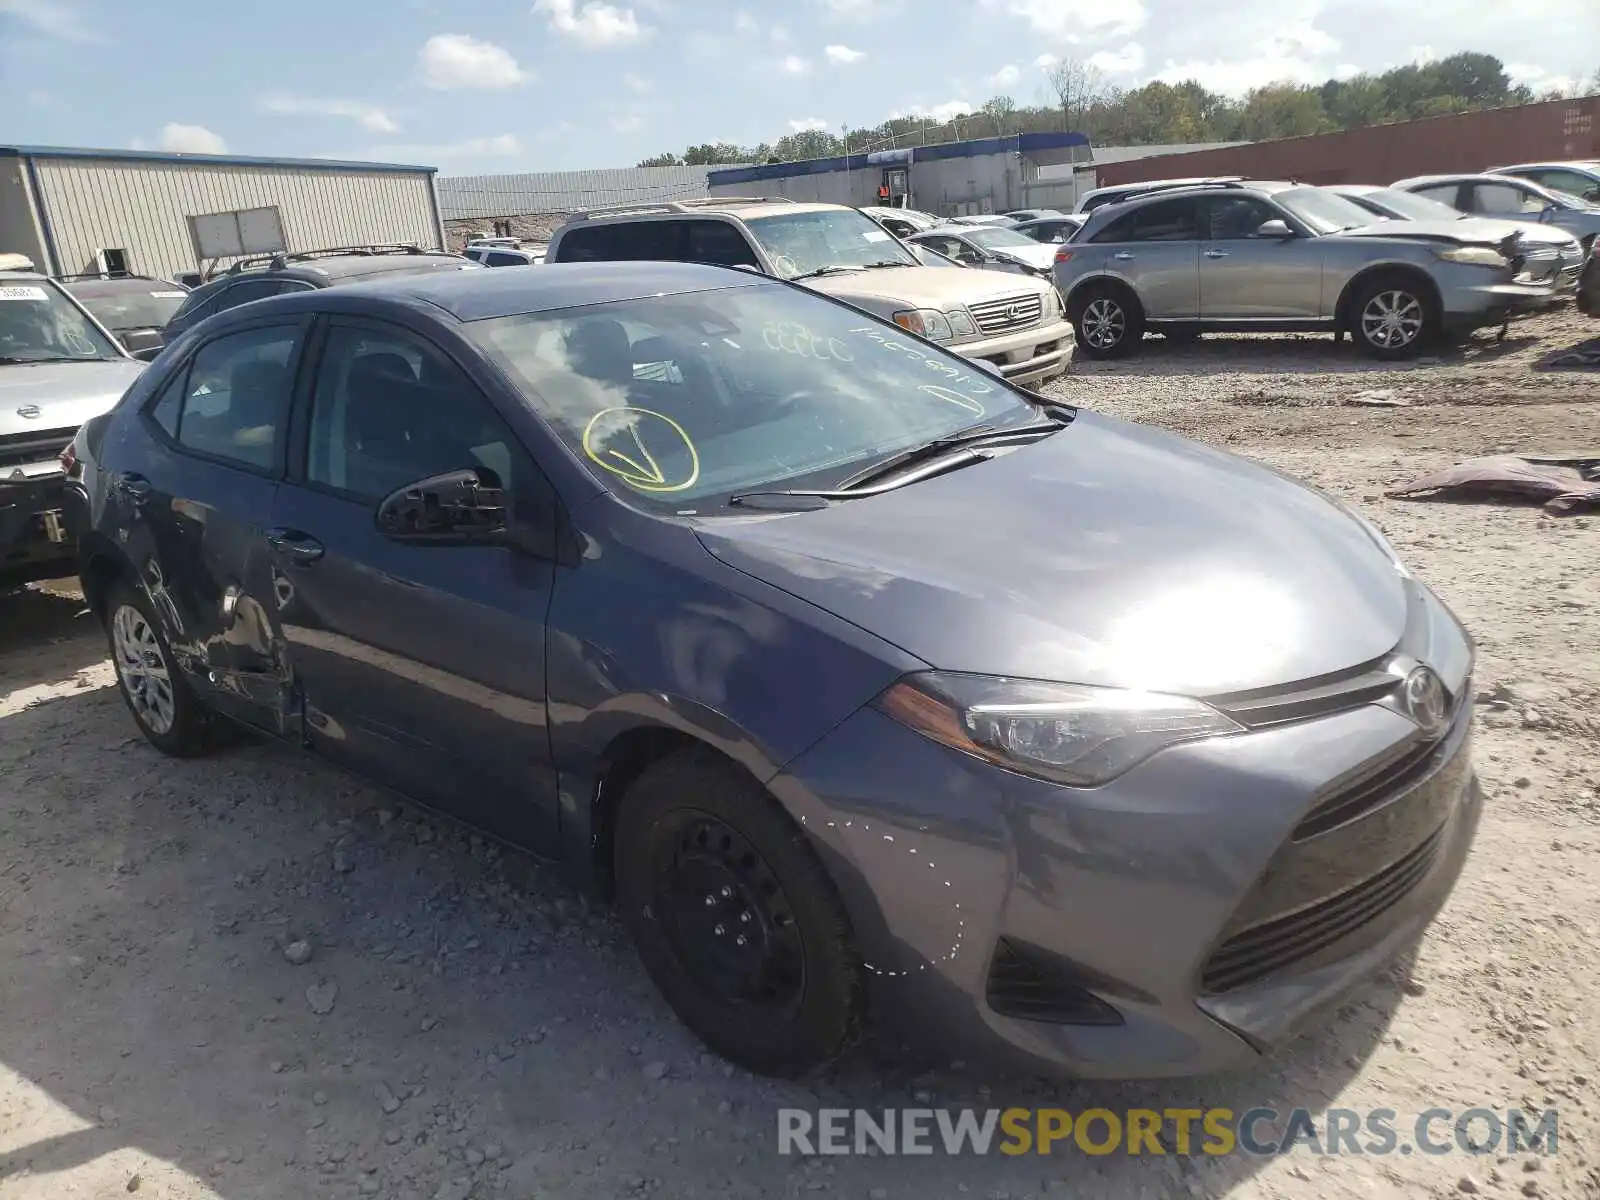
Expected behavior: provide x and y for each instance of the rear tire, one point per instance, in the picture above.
(1106, 321)
(163, 706)
(1392, 318)
(734, 917)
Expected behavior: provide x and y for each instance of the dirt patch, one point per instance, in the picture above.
(253, 976)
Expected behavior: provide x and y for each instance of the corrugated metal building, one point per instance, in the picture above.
(1552, 129)
(947, 178)
(485, 197)
(64, 208)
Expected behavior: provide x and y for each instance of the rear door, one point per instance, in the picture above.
(1244, 276)
(193, 501)
(1156, 249)
(421, 666)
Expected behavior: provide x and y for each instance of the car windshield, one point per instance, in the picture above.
(678, 402)
(1325, 212)
(39, 324)
(804, 243)
(1412, 207)
(148, 306)
(999, 239)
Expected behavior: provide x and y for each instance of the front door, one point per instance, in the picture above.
(422, 666)
(1156, 249)
(194, 502)
(1244, 276)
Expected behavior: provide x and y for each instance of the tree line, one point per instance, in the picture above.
(1075, 96)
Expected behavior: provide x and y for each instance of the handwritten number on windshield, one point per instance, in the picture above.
(973, 384)
(790, 337)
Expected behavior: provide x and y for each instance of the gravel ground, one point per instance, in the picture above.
(253, 976)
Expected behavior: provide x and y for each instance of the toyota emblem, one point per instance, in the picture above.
(28, 412)
(1426, 701)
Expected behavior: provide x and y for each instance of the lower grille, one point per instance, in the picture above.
(1373, 787)
(1258, 952)
(1032, 988)
(1007, 313)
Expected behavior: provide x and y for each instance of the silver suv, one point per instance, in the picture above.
(1280, 257)
(1013, 323)
(58, 368)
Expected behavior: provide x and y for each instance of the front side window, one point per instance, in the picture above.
(1237, 217)
(1583, 187)
(678, 402)
(807, 243)
(1162, 221)
(719, 243)
(1504, 200)
(388, 410)
(236, 396)
(38, 323)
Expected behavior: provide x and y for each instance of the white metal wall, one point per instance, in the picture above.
(141, 206)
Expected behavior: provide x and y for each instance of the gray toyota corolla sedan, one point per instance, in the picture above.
(869, 685)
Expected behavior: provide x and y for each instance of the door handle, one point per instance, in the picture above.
(1123, 255)
(294, 545)
(1216, 254)
(135, 487)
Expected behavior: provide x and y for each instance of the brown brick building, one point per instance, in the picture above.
(1553, 129)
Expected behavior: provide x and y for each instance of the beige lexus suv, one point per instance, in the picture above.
(1013, 322)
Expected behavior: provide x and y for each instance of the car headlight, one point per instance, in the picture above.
(961, 322)
(1473, 256)
(926, 322)
(1079, 736)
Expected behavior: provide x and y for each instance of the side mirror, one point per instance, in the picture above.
(1275, 229)
(147, 354)
(458, 508)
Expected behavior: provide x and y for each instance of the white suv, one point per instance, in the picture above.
(1014, 323)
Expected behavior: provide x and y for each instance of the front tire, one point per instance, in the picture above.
(163, 706)
(1106, 322)
(734, 917)
(1391, 318)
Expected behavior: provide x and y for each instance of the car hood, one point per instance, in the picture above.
(1107, 554)
(1464, 233)
(1037, 255)
(66, 393)
(1493, 230)
(925, 287)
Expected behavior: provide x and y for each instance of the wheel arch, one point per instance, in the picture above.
(1410, 272)
(1104, 281)
(101, 563)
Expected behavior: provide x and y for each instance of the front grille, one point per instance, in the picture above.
(1261, 950)
(1007, 313)
(33, 446)
(1319, 697)
(1377, 785)
(1031, 987)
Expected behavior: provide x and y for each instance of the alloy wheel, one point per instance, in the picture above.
(1392, 319)
(1104, 323)
(142, 669)
(727, 918)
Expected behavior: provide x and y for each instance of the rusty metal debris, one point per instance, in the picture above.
(1564, 484)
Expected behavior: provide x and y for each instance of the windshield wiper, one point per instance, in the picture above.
(874, 266)
(12, 360)
(830, 269)
(927, 451)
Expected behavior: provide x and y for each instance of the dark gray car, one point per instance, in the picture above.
(691, 576)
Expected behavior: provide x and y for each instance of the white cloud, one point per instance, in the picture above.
(860, 11)
(1346, 71)
(1006, 76)
(1542, 80)
(49, 17)
(938, 112)
(1302, 41)
(189, 139)
(459, 60)
(595, 24)
(1422, 54)
(807, 125)
(1046, 61)
(744, 23)
(369, 116)
(499, 146)
(1119, 62)
(627, 123)
(843, 55)
(793, 64)
(637, 83)
(1237, 76)
(1068, 20)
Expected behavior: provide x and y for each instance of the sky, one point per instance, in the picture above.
(501, 86)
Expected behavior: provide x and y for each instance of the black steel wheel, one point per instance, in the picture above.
(734, 916)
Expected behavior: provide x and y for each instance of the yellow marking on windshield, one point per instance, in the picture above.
(640, 471)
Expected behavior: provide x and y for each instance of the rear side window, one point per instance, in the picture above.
(1445, 193)
(720, 244)
(504, 258)
(625, 241)
(250, 289)
(1162, 221)
(233, 400)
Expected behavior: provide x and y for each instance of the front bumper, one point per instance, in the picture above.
(1187, 895)
(1026, 358)
(1469, 306)
(35, 541)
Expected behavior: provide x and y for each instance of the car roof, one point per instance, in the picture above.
(742, 210)
(480, 295)
(1465, 177)
(110, 285)
(1586, 164)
